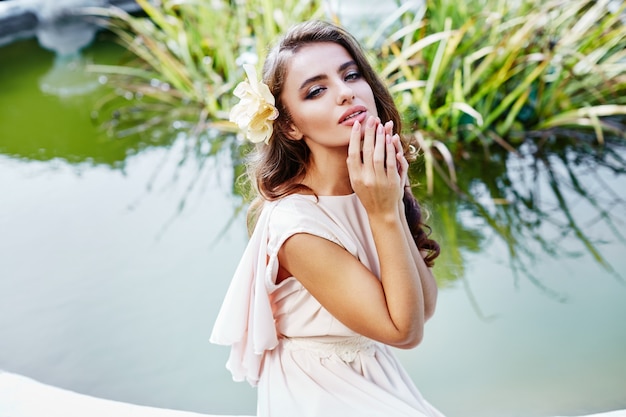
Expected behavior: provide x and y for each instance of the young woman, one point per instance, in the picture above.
(338, 266)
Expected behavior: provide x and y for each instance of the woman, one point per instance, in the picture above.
(338, 266)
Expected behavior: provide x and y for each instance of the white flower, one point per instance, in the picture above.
(255, 113)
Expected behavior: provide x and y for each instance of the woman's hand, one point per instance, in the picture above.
(402, 163)
(388, 307)
(379, 188)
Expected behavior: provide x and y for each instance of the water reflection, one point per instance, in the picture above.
(47, 103)
(135, 240)
(555, 202)
(569, 185)
(68, 77)
(541, 201)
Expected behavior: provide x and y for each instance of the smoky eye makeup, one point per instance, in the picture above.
(348, 70)
(354, 74)
(313, 92)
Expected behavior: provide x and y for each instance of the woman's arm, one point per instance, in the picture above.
(429, 285)
(390, 309)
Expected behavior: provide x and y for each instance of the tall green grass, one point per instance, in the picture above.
(490, 72)
(187, 58)
(476, 81)
(467, 75)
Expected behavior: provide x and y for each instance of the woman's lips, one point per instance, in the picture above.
(352, 115)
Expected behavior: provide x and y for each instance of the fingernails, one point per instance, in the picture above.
(370, 122)
(379, 130)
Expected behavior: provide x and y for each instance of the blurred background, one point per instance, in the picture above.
(122, 220)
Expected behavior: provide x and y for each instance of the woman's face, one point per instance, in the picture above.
(325, 94)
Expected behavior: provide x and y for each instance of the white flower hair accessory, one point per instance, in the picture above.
(255, 113)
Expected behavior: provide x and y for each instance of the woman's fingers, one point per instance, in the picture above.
(379, 151)
(401, 162)
(390, 156)
(373, 148)
(354, 146)
(369, 140)
(389, 128)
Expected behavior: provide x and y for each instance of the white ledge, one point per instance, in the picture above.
(24, 397)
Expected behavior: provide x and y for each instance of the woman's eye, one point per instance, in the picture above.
(353, 75)
(314, 92)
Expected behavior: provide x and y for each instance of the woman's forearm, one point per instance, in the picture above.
(400, 279)
(427, 279)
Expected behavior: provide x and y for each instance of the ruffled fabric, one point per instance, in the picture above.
(245, 321)
(303, 360)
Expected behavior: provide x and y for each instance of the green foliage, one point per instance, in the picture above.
(479, 72)
(491, 71)
(496, 74)
(467, 71)
(187, 58)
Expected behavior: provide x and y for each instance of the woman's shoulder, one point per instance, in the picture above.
(296, 202)
(298, 213)
(293, 208)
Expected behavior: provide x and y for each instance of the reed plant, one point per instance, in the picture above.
(500, 76)
(466, 74)
(187, 57)
(494, 72)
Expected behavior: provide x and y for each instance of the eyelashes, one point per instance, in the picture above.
(314, 92)
(317, 90)
(353, 75)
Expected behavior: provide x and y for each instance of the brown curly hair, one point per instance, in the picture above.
(275, 169)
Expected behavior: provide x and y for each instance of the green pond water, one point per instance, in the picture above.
(115, 255)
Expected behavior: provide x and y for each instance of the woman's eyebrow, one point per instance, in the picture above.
(316, 78)
(312, 80)
(346, 65)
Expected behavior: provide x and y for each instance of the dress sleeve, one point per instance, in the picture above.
(299, 215)
(245, 321)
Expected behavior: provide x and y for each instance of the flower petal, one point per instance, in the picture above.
(256, 111)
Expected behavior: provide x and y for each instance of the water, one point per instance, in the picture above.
(109, 288)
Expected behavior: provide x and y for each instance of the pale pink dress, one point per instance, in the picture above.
(303, 360)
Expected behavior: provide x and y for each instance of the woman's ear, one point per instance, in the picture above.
(294, 133)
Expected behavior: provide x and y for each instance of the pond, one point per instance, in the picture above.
(115, 255)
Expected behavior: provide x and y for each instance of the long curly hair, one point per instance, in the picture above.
(275, 170)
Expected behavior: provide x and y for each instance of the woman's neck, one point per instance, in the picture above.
(327, 174)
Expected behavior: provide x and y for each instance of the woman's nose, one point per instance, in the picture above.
(346, 95)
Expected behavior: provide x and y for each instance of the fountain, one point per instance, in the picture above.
(59, 28)
(55, 24)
